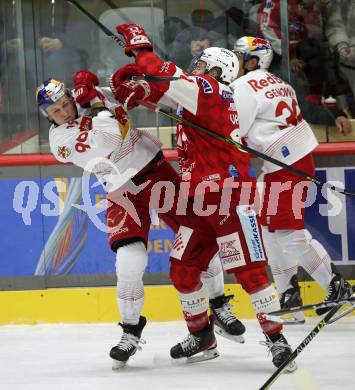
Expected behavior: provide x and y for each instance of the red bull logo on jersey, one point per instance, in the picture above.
(262, 83)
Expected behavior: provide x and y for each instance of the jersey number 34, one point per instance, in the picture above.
(292, 112)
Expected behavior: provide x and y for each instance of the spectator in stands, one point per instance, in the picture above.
(195, 38)
(270, 29)
(2, 119)
(202, 18)
(59, 56)
(340, 32)
(23, 62)
(316, 111)
(171, 29)
(312, 74)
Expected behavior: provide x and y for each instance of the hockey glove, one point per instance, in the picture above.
(134, 37)
(123, 74)
(130, 92)
(84, 88)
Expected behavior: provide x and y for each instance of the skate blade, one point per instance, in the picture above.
(238, 339)
(118, 365)
(291, 367)
(295, 319)
(209, 354)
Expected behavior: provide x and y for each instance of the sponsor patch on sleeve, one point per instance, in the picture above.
(227, 96)
(207, 87)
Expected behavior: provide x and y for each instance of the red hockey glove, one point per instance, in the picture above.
(123, 74)
(84, 87)
(130, 92)
(134, 37)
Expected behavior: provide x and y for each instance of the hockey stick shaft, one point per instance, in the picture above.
(342, 314)
(107, 31)
(263, 156)
(312, 306)
(321, 324)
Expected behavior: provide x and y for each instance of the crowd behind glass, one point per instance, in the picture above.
(51, 38)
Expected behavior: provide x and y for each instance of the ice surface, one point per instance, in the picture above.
(75, 357)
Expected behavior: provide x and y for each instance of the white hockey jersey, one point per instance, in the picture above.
(96, 144)
(270, 119)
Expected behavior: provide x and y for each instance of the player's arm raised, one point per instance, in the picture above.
(184, 91)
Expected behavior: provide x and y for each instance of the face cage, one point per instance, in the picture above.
(193, 63)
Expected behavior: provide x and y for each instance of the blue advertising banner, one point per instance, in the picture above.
(331, 218)
(42, 234)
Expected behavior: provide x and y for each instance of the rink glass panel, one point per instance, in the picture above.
(78, 43)
(42, 38)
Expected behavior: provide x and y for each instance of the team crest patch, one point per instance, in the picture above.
(63, 151)
(227, 96)
(207, 87)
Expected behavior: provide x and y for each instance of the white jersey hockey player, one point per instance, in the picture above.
(124, 158)
(272, 123)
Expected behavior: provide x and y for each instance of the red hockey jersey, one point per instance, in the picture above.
(207, 103)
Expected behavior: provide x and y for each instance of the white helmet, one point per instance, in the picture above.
(221, 58)
(255, 47)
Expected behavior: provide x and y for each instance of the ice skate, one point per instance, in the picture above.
(337, 289)
(280, 350)
(225, 322)
(197, 347)
(129, 343)
(291, 298)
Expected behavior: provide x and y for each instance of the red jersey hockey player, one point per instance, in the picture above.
(272, 123)
(132, 157)
(219, 176)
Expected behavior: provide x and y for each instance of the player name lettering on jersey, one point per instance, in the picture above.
(277, 92)
(264, 82)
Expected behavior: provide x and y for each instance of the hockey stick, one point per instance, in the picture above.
(286, 321)
(263, 156)
(109, 33)
(314, 306)
(342, 314)
(321, 324)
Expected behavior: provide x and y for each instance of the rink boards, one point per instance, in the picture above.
(50, 247)
(99, 304)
